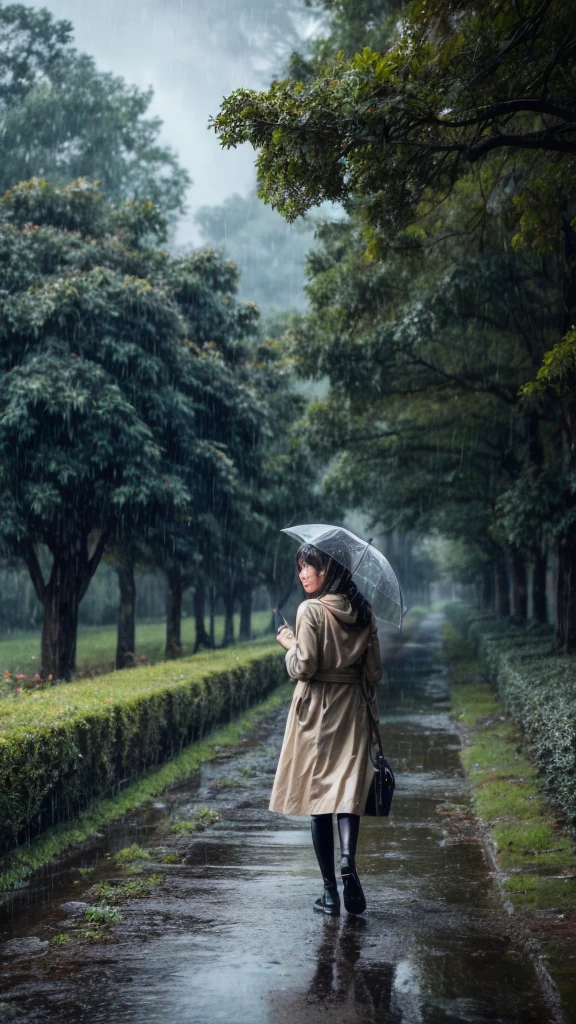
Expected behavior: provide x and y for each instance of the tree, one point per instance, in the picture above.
(97, 420)
(63, 119)
(384, 127)
(555, 385)
(424, 352)
(271, 253)
(229, 416)
(290, 490)
(395, 131)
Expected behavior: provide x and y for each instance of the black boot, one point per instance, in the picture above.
(329, 901)
(323, 839)
(348, 829)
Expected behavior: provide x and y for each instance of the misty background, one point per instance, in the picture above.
(193, 53)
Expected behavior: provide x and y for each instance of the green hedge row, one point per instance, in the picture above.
(63, 747)
(536, 687)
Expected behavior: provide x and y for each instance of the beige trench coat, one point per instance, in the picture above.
(324, 765)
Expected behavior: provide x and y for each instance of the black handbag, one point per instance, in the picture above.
(381, 790)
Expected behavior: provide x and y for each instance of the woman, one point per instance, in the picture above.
(324, 766)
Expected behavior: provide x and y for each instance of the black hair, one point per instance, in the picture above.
(337, 580)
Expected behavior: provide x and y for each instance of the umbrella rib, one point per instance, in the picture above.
(368, 543)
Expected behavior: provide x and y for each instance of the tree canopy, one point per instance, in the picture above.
(121, 405)
(63, 119)
(442, 311)
(381, 128)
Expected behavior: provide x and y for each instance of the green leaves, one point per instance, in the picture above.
(105, 396)
(557, 374)
(537, 690)
(80, 206)
(63, 117)
(81, 739)
(388, 128)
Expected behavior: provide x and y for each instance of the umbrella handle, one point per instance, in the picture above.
(278, 615)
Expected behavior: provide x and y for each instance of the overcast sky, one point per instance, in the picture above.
(192, 52)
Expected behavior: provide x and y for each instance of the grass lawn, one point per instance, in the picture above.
(97, 645)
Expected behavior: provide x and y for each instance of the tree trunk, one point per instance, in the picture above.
(126, 637)
(69, 580)
(174, 612)
(566, 593)
(272, 594)
(203, 639)
(501, 586)
(487, 589)
(245, 615)
(60, 625)
(212, 605)
(519, 579)
(228, 620)
(566, 589)
(539, 605)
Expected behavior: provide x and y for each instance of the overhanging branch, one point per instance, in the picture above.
(506, 107)
(536, 140)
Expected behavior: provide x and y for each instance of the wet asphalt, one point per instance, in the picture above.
(229, 934)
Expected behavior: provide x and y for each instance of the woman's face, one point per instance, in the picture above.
(309, 577)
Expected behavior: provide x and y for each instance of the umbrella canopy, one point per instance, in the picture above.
(371, 571)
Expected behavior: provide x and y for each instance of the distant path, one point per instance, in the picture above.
(230, 936)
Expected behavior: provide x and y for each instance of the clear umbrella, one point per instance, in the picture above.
(371, 571)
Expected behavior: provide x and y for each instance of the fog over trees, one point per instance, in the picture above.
(422, 296)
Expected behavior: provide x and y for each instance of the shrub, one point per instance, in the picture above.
(63, 747)
(537, 688)
(102, 915)
(131, 854)
(199, 823)
(113, 892)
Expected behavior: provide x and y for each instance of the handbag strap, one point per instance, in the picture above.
(369, 693)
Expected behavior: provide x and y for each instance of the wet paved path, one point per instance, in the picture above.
(230, 935)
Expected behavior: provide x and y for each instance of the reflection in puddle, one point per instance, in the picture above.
(406, 991)
(346, 985)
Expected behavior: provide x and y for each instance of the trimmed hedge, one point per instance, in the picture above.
(536, 687)
(64, 747)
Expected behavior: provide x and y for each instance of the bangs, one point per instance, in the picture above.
(312, 556)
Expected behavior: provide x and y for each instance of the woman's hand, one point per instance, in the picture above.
(285, 638)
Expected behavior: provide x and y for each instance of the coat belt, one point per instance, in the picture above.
(337, 676)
